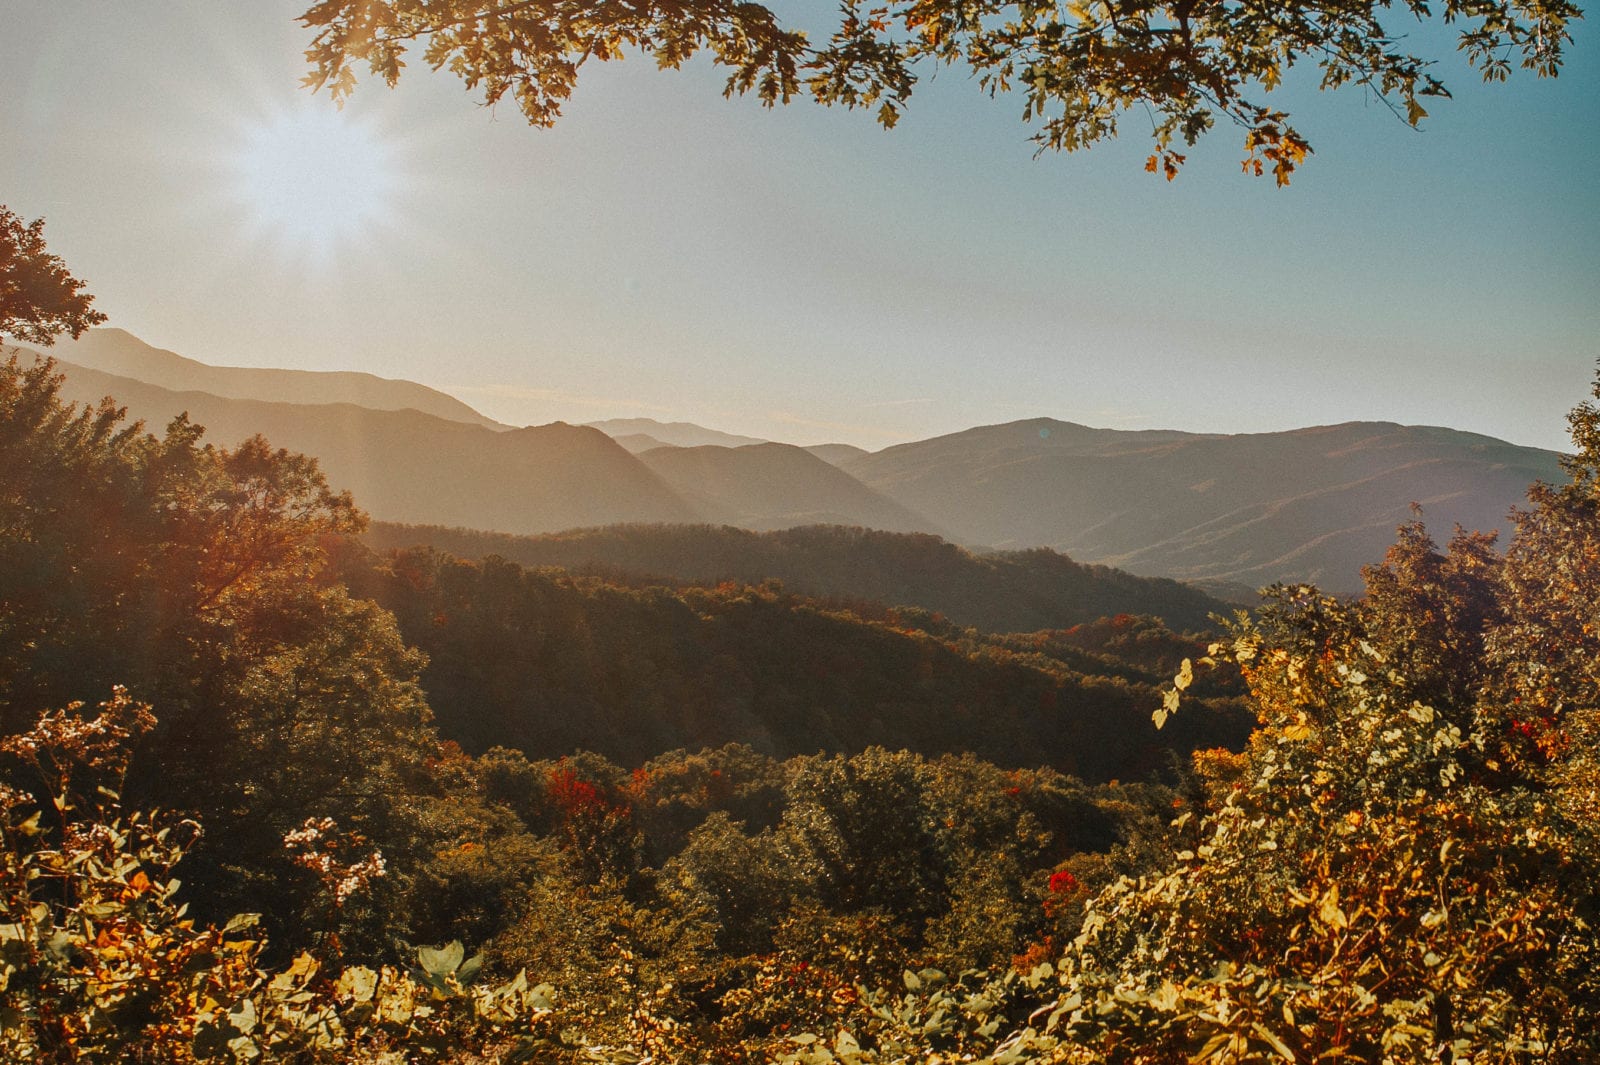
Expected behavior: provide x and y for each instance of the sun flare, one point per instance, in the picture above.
(315, 180)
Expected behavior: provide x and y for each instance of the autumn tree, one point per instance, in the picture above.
(100, 961)
(39, 299)
(192, 574)
(1401, 866)
(1078, 67)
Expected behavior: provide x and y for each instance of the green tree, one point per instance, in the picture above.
(863, 830)
(193, 575)
(1370, 887)
(1077, 66)
(39, 299)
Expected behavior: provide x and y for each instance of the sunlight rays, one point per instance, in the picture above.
(315, 182)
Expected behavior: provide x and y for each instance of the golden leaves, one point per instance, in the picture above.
(1279, 146)
(1082, 63)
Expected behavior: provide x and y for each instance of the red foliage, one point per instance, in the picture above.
(1036, 955)
(574, 795)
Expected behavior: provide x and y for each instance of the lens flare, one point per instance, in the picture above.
(315, 180)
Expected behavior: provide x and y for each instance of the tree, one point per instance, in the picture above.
(101, 963)
(1077, 66)
(194, 575)
(1373, 886)
(39, 300)
(1402, 865)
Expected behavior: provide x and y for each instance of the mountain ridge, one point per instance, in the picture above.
(116, 351)
(410, 466)
(1311, 504)
(1021, 591)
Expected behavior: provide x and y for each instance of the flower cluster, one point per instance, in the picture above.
(63, 741)
(318, 844)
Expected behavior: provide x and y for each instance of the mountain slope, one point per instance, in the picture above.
(1308, 505)
(673, 434)
(836, 454)
(1012, 592)
(409, 466)
(115, 351)
(637, 442)
(775, 486)
(1312, 504)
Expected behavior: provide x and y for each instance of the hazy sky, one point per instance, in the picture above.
(801, 274)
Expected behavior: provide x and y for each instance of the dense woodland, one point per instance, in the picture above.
(548, 663)
(1005, 591)
(733, 823)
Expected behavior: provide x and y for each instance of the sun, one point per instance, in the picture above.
(314, 180)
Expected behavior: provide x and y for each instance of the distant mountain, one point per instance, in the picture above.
(117, 352)
(1020, 591)
(1220, 511)
(1312, 504)
(408, 466)
(673, 434)
(837, 454)
(776, 486)
(637, 442)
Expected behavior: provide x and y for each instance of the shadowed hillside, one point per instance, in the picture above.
(776, 486)
(637, 442)
(548, 663)
(1009, 592)
(673, 434)
(837, 454)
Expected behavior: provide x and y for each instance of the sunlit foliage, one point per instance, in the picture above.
(99, 962)
(1077, 66)
(39, 299)
(1402, 865)
(1399, 866)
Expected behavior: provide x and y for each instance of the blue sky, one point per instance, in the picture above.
(801, 274)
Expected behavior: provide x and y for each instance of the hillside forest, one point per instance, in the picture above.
(273, 791)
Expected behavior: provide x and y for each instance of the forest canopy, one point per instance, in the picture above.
(1078, 68)
(1400, 865)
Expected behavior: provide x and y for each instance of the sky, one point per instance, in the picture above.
(801, 274)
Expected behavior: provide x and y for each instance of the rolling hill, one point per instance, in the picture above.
(775, 486)
(1227, 511)
(115, 351)
(1009, 592)
(408, 466)
(836, 454)
(673, 434)
(637, 442)
(1307, 505)
(547, 663)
